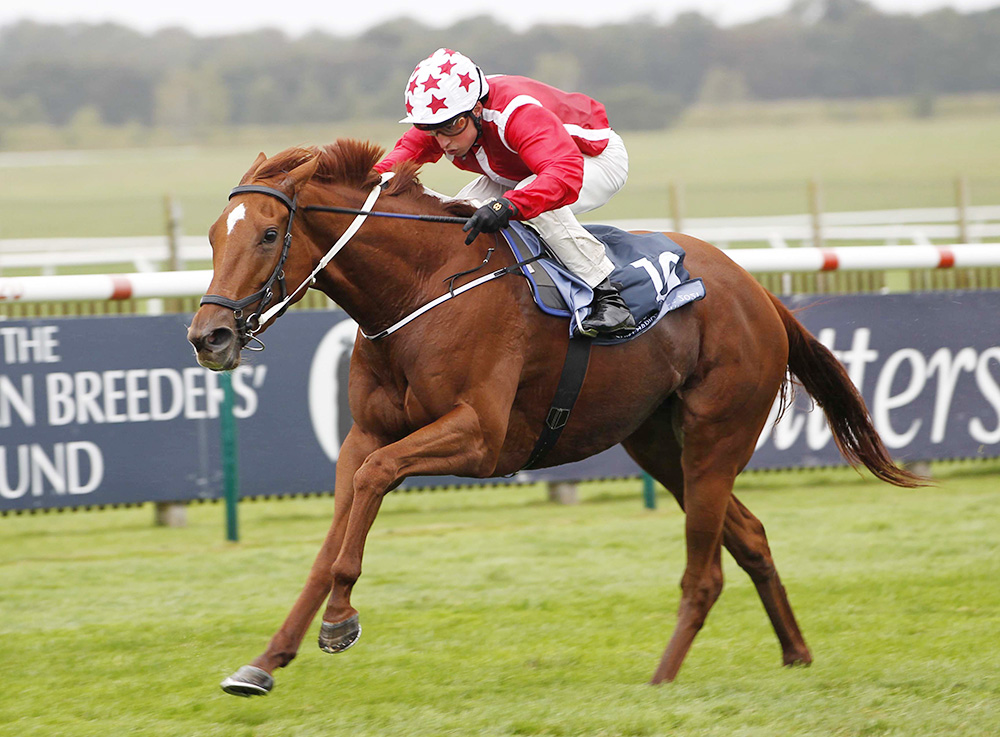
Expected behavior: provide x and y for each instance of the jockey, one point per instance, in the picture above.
(544, 155)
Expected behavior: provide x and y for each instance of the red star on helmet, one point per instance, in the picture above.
(430, 83)
(409, 108)
(413, 84)
(436, 104)
(449, 52)
(447, 67)
(465, 80)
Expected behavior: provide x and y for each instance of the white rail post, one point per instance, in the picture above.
(174, 215)
(815, 191)
(676, 193)
(962, 208)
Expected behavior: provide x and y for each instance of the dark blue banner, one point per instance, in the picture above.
(113, 410)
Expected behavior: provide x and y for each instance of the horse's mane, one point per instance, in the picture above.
(351, 162)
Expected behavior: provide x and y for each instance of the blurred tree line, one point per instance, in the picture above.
(647, 73)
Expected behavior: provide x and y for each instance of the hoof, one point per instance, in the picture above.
(248, 681)
(797, 657)
(335, 638)
(798, 660)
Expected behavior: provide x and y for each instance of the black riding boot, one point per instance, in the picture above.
(608, 312)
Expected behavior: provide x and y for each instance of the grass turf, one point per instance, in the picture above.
(495, 613)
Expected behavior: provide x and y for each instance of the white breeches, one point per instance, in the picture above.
(603, 176)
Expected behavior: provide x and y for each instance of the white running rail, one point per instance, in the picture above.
(755, 260)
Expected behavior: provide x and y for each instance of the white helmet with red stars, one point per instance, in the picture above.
(443, 85)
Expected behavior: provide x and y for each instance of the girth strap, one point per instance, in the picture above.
(570, 382)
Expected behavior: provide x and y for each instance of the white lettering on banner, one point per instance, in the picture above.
(247, 391)
(59, 391)
(69, 468)
(786, 433)
(947, 369)
(88, 388)
(157, 377)
(990, 388)
(883, 402)
(137, 395)
(904, 377)
(113, 395)
(195, 382)
(29, 345)
(327, 382)
(21, 402)
(857, 357)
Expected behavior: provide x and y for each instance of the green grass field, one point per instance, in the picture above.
(495, 613)
(731, 170)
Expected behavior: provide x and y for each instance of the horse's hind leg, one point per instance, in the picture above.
(656, 448)
(745, 539)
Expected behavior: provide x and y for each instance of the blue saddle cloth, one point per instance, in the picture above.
(649, 266)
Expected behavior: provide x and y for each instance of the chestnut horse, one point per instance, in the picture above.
(464, 389)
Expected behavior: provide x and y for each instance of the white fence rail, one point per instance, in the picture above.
(145, 253)
(869, 227)
(885, 227)
(755, 260)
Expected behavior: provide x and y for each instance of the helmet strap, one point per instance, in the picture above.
(478, 122)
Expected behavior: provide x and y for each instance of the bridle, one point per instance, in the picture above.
(248, 327)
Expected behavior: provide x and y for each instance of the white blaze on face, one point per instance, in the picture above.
(238, 213)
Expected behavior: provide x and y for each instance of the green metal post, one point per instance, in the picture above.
(230, 460)
(648, 492)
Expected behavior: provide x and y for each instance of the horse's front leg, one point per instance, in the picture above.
(463, 443)
(256, 679)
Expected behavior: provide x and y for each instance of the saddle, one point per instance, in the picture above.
(650, 269)
(649, 266)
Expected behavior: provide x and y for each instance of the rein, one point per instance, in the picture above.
(398, 215)
(247, 328)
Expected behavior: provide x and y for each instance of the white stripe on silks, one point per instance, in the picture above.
(500, 118)
(587, 134)
(484, 163)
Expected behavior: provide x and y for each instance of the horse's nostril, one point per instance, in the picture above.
(219, 338)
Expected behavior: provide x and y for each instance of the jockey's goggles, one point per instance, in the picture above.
(449, 128)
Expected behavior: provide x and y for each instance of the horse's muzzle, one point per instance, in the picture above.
(216, 344)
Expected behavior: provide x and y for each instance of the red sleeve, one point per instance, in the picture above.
(413, 146)
(543, 144)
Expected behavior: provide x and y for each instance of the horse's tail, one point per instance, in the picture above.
(826, 380)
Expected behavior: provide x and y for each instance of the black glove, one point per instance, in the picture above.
(489, 218)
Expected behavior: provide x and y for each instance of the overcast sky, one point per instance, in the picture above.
(349, 17)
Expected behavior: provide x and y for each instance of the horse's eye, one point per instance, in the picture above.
(270, 236)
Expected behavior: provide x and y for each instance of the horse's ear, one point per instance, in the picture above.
(248, 177)
(301, 174)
